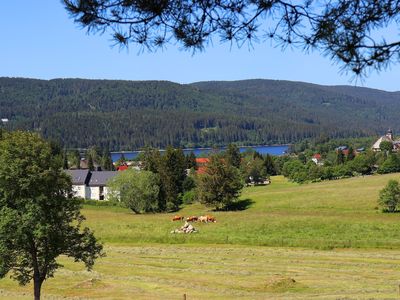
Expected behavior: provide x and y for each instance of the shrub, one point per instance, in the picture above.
(389, 196)
(390, 165)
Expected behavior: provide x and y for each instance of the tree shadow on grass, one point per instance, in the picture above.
(239, 205)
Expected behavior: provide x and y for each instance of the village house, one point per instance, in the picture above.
(80, 181)
(317, 159)
(91, 184)
(388, 137)
(201, 163)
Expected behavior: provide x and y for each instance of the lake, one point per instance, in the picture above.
(273, 150)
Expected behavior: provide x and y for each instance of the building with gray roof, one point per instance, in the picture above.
(91, 184)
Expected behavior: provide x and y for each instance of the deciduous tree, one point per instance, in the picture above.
(389, 196)
(137, 190)
(386, 146)
(39, 221)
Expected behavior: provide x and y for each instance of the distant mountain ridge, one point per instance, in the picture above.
(124, 115)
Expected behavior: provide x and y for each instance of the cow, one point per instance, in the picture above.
(192, 219)
(177, 218)
(203, 219)
(211, 219)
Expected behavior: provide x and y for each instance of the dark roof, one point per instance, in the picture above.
(100, 178)
(79, 177)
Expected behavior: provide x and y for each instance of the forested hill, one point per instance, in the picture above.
(126, 115)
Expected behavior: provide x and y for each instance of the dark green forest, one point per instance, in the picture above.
(126, 115)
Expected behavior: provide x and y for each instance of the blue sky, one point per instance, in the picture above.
(39, 40)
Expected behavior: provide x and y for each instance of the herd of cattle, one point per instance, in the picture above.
(187, 227)
(202, 219)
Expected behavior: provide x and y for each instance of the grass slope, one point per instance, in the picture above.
(227, 260)
(335, 214)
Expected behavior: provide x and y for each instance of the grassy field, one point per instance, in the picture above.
(324, 215)
(316, 241)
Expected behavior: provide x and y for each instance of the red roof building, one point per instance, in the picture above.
(317, 156)
(202, 164)
(122, 168)
(202, 160)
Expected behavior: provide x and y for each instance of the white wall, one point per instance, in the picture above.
(94, 193)
(79, 190)
(89, 192)
(106, 193)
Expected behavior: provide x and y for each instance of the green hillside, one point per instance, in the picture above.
(331, 214)
(314, 241)
(131, 114)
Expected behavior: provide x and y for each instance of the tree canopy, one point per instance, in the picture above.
(39, 220)
(349, 31)
(171, 169)
(205, 114)
(220, 185)
(137, 190)
(389, 196)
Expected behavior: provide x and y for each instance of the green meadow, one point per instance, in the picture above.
(323, 240)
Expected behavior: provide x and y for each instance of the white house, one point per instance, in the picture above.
(90, 184)
(80, 180)
(98, 184)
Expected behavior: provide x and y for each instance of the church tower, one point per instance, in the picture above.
(389, 134)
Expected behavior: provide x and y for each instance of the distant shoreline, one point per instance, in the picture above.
(205, 148)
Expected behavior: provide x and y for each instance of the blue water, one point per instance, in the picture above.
(273, 150)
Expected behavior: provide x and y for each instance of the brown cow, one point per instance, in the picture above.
(177, 218)
(207, 218)
(203, 219)
(211, 219)
(192, 219)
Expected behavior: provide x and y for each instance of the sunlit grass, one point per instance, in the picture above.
(323, 241)
(322, 215)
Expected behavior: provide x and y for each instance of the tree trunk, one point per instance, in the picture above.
(37, 285)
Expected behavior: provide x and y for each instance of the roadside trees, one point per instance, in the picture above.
(38, 219)
(389, 196)
(220, 185)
